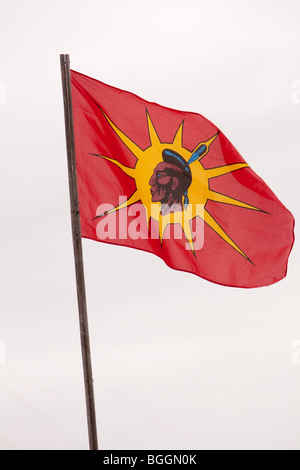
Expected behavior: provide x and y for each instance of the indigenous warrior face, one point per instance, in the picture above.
(170, 181)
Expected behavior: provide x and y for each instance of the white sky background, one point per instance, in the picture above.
(179, 363)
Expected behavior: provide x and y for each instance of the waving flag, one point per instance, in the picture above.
(170, 183)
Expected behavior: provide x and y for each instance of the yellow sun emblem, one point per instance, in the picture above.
(199, 190)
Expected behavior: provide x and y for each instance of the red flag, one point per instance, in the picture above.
(170, 183)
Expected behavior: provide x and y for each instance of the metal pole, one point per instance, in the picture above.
(77, 245)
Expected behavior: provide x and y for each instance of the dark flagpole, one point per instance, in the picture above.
(77, 245)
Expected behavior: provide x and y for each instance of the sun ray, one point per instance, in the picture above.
(202, 149)
(218, 229)
(154, 139)
(178, 137)
(177, 219)
(223, 170)
(132, 146)
(163, 222)
(129, 171)
(218, 197)
(188, 233)
(132, 200)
